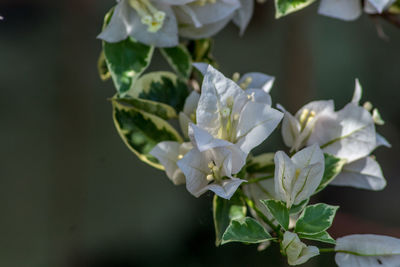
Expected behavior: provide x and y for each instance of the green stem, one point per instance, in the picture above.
(326, 250)
(251, 204)
(256, 180)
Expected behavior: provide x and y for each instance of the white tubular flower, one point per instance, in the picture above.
(232, 114)
(188, 114)
(364, 173)
(204, 18)
(168, 153)
(297, 178)
(148, 21)
(297, 252)
(297, 129)
(209, 170)
(351, 9)
(367, 251)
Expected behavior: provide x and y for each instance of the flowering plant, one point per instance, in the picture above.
(262, 198)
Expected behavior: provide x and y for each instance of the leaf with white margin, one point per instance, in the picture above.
(333, 166)
(340, 9)
(263, 163)
(348, 134)
(179, 59)
(285, 7)
(298, 177)
(297, 252)
(168, 153)
(316, 219)
(364, 173)
(367, 251)
(323, 237)
(279, 211)
(246, 230)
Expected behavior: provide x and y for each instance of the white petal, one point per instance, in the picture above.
(195, 167)
(357, 93)
(297, 252)
(227, 188)
(307, 182)
(244, 14)
(380, 5)
(308, 156)
(202, 67)
(214, 12)
(340, 9)
(350, 134)
(364, 173)
(382, 251)
(284, 173)
(381, 141)
(319, 107)
(259, 81)
(184, 122)
(290, 129)
(215, 92)
(194, 31)
(174, 2)
(191, 103)
(168, 153)
(256, 123)
(118, 28)
(259, 96)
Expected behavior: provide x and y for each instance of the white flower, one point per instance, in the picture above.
(210, 170)
(230, 113)
(297, 252)
(351, 9)
(367, 251)
(188, 114)
(297, 178)
(148, 21)
(204, 18)
(168, 153)
(244, 14)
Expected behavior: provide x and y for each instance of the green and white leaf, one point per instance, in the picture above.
(141, 131)
(161, 86)
(299, 207)
(179, 59)
(245, 230)
(285, 7)
(333, 166)
(102, 67)
(316, 219)
(161, 110)
(224, 211)
(263, 163)
(279, 211)
(321, 237)
(126, 60)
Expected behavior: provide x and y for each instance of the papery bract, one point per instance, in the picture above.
(297, 252)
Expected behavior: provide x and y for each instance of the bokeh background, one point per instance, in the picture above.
(71, 193)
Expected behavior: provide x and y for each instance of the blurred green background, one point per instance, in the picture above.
(71, 193)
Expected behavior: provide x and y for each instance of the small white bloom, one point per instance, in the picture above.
(209, 170)
(188, 114)
(168, 153)
(297, 252)
(147, 21)
(367, 251)
(230, 113)
(297, 178)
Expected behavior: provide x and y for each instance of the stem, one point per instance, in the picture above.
(256, 180)
(252, 205)
(326, 250)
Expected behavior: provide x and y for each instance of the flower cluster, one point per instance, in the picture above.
(160, 22)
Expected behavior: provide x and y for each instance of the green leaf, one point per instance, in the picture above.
(201, 51)
(141, 131)
(333, 166)
(179, 59)
(161, 86)
(263, 163)
(285, 7)
(279, 211)
(299, 207)
(161, 110)
(102, 67)
(321, 237)
(245, 230)
(126, 60)
(316, 219)
(224, 211)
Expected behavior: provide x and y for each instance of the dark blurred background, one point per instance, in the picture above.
(71, 193)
